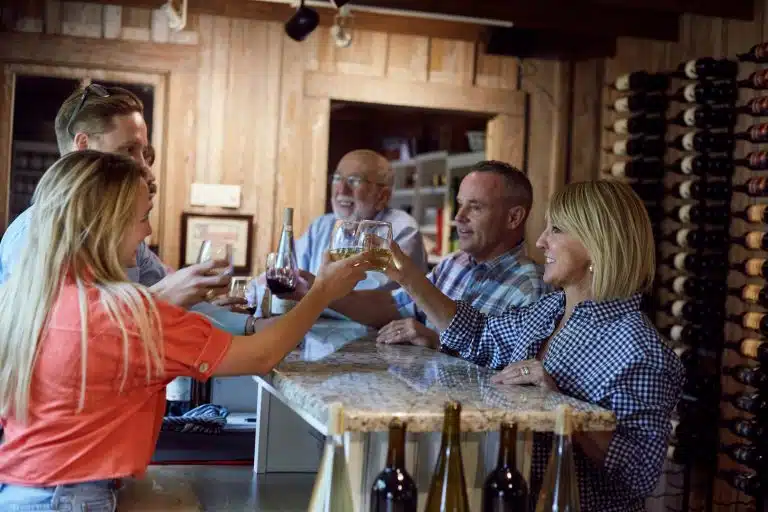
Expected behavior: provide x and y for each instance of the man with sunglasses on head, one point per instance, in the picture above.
(111, 119)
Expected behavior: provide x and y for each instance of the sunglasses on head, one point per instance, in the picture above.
(95, 89)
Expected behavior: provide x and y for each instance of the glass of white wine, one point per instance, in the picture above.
(214, 250)
(374, 237)
(344, 239)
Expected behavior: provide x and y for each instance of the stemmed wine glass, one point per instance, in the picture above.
(374, 237)
(213, 250)
(344, 240)
(281, 277)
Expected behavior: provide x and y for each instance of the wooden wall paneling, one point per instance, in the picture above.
(159, 31)
(7, 84)
(451, 62)
(189, 34)
(31, 16)
(586, 120)
(205, 94)
(367, 55)
(408, 57)
(137, 24)
(496, 71)
(317, 117)
(320, 51)
(216, 130)
(52, 19)
(81, 19)
(113, 21)
(505, 139)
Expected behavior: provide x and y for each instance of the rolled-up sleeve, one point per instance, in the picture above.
(484, 340)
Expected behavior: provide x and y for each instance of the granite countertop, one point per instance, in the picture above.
(341, 362)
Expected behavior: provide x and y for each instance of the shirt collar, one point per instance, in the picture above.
(602, 311)
(503, 260)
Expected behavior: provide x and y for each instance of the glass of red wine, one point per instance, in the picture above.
(280, 274)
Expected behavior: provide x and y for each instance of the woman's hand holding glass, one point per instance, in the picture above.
(335, 279)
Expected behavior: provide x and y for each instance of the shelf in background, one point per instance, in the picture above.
(428, 229)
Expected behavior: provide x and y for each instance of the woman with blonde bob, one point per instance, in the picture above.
(589, 339)
(85, 355)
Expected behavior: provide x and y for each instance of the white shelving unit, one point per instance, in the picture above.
(423, 185)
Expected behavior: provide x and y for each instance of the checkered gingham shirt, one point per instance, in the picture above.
(509, 280)
(609, 354)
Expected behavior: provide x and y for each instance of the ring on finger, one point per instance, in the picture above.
(525, 371)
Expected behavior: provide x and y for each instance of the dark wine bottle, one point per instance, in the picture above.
(748, 483)
(756, 133)
(505, 489)
(695, 263)
(646, 146)
(752, 348)
(638, 168)
(686, 237)
(703, 141)
(746, 454)
(692, 310)
(758, 53)
(281, 277)
(699, 165)
(448, 489)
(747, 375)
(695, 214)
(693, 335)
(749, 429)
(641, 101)
(753, 267)
(394, 490)
(693, 286)
(639, 124)
(755, 161)
(704, 116)
(641, 81)
(752, 403)
(708, 67)
(752, 293)
(757, 80)
(691, 189)
(707, 92)
(756, 107)
(752, 320)
(560, 487)
(756, 214)
(178, 396)
(755, 240)
(755, 187)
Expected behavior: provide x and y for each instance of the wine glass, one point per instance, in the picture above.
(213, 250)
(344, 240)
(237, 287)
(374, 237)
(281, 278)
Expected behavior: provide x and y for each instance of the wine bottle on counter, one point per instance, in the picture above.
(448, 489)
(747, 375)
(703, 141)
(713, 190)
(695, 214)
(752, 267)
(757, 80)
(756, 214)
(647, 146)
(638, 124)
(685, 237)
(505, 489)
(704, 116)
(282, 277)
(748, 483)
(708, 67)
(641, 101)
(693, 286)
(749, 429)
(698, 165)
(560, 487)
(641, 81)
(755, 187)
(394, 490)
(707, 92)
(752, 293)
(642, 168)
(752, 348)
(758, 53)
(754, 161)
(746, 454)
(752, 403)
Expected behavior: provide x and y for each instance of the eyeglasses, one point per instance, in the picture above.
(352, 181)
(98, 90)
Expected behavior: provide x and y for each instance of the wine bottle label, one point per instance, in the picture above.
(619, 169)
(671, 452)
(679, 261)
(758, 132)
(621, 126)
(179, 390)
(750, 347)
(685, 189)
(676, 333)
(621, 104)
(678, 285)
(754, 239)
(755, 212)
(751, 293)
(682, 237)
(688, 141)
(758, 106)
(686, 165)
(760, 79)
(689, 93)
(689, 116)
(622, 83)
(675, 423)
(677, 308)
(690, 69)
(754, 267)
(757, 186)
(752, 320)
(742, 429)
(620, 147)
(742, 453)
(684, 213)
(758, 160)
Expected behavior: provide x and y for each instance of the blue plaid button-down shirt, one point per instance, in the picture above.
(509, 280)
(609, 354)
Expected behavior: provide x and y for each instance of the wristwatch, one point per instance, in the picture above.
(250, 325)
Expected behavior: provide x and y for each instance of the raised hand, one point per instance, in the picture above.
(193, 284)
(337, 279)
(401, 267)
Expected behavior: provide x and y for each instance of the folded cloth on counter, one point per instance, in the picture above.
(205, 419)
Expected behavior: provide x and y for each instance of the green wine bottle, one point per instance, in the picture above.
(448, 490)
(560, 487)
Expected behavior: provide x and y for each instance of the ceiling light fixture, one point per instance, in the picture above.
(302, 23)
(341, 31)
(176, 20)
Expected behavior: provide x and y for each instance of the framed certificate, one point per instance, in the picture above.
(225, 228)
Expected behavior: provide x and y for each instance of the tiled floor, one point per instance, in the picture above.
(217, 489)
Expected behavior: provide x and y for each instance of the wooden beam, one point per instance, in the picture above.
(439, 96)
(734, 9)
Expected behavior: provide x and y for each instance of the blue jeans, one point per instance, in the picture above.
(98, 496)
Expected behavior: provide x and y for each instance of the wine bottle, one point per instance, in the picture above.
(686, 237)
(638, 168)
(448, 489)
(703, 141)
(757, 80)
(178, 396)
(560, 487)
(704, 116)
(755, 187)
(756, 133)
(758, 53)
(756, 213)
(707, 67)
(505, 489)
(647, 146)
(755, 161)
(697, 165)
(747, 375)
(752, 403)
(282, 277)
(692, 189)
(692, 310)
(753, 267)
(755, 240)
(749, 429)
(394, 490)
(687, 262)
(638, 124)
(752, 320)
(756, 107)
(706, 92)
(752, 348)
(641, 81)
(752, 293)
(693, 335)
(641, 101)
(693, 286)
(686, 454)
(748, 483)
(694, 214)
(746, 454)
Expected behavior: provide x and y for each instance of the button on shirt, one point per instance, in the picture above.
(609, 354)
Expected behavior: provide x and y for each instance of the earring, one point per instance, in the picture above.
(591, 268)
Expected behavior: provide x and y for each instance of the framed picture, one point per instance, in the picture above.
(231, 229)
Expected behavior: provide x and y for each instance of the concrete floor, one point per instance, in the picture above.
(216, 489)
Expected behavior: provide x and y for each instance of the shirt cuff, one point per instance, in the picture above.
(212, 354)
(461, 331)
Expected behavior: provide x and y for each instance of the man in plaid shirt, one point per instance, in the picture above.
(491, 271)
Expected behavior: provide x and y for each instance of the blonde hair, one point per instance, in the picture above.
(611, 221)
(82, 207)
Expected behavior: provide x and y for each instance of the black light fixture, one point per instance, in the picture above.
(302, 23)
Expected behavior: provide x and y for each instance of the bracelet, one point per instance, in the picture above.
(250, 326)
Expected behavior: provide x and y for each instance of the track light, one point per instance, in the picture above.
(341, 31)
(302, 23)
(339, 3)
